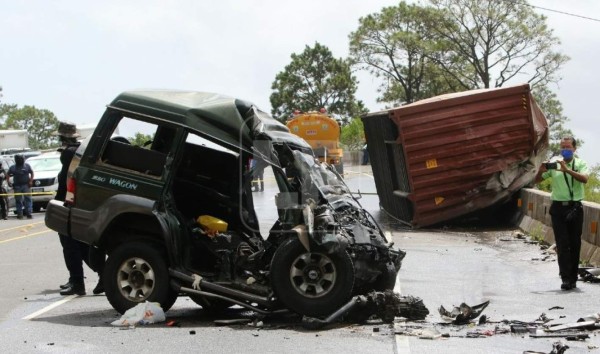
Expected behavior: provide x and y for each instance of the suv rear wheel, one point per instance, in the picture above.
(136, 272)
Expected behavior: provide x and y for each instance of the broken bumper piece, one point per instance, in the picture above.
(385, 305)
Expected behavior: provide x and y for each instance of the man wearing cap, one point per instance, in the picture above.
(74, 252)
(22, 175)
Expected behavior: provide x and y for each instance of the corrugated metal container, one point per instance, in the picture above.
(450, 155)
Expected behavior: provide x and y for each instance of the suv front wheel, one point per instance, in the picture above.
(136, 272)
(311, 283)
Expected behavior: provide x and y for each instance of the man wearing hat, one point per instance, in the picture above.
(74, 252)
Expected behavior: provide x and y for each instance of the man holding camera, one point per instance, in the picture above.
(568, 177)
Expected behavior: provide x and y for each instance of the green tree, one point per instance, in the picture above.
(140, 139)
(315, 79)
(552, 108)
(39, 123)
(353, 135)
(592, 187)
(396, 46)
(499, 40)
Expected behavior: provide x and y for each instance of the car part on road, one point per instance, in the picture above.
(385, 305)
(591, 275)
(462, 314)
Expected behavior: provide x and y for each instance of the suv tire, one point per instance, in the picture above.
(311, 283)
(136, 272)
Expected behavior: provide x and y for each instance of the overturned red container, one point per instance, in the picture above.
(451, 155)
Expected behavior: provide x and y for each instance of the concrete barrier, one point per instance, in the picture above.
(535, 205)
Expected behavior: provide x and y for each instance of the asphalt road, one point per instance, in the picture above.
(443, 267)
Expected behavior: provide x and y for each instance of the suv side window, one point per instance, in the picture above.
(145, 150)
(207, 174)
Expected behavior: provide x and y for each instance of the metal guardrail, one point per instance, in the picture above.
(535, 205)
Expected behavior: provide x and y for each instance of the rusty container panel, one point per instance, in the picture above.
(461, 152)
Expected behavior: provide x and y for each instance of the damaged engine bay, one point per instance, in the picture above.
(323, 253)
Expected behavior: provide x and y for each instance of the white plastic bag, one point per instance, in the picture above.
(143, 313)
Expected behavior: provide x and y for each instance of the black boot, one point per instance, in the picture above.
(66, 285)
(76, 288)
(99, 289)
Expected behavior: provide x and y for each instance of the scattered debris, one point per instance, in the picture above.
(144, 313)
(592, 317)
(480, 333)
(543, 318)
(559, 348)
(501, 330)
(566, 335)
(583, 324)
(556, 308)
(234, 321)
(518, 328)
(462, 314)
(429, 333)
(518, 234)
(385, 305)
(590, 275)
(192, 332)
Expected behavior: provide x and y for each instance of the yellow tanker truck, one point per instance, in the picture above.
(322, 133)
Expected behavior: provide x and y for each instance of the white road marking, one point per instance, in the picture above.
(402, 343)
(50, 307)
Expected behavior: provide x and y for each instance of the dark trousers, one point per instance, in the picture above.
(75, 253)
(3, 204)
(567, 234)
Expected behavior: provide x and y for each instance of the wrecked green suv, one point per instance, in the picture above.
(176, 216)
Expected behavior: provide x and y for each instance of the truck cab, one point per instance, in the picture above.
(322, 133)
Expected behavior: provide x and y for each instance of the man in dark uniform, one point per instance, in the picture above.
(3, 198)
(568, 179)
(74, 252)
(22, 175)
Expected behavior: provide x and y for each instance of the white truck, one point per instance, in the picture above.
(12, 141)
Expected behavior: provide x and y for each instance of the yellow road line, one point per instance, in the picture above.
(20, 237)
(22, 226)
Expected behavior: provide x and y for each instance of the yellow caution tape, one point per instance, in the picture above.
(30, 193)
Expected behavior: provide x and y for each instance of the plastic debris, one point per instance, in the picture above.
(144, 313)
(591, 275)
(233, 321)
(462, 314)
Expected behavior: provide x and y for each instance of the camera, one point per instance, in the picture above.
(551, 165)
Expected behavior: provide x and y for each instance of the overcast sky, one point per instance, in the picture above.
(73, 56)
